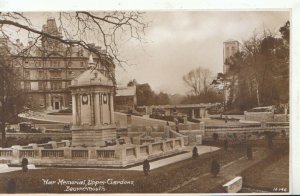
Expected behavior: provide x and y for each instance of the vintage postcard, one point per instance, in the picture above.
(146, 100)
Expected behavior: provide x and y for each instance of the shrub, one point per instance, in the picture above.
(146, 167)
(195, 152)
(24, 164)
(215, 168)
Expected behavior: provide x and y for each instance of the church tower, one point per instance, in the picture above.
(230, 47)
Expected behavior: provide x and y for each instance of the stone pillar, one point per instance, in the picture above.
(123, 154)
(67, 142)
(181, 142)
(67, 153)
(39, 154)
(128, 120)
(49, 104)
(185, 119)
(173, 144)
(112, 114)
(92, 109)
(164, 149)
(137, 151)
(150, 149)
(74, 109)
(92, 153)
(16, 153)
(193, 113)
(97, 109)
(78, 99)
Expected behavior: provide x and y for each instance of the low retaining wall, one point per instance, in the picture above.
(266, 117)
(33, 136)
(62, 154)
(259, 116)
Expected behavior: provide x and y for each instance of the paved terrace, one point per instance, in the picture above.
(120, 118)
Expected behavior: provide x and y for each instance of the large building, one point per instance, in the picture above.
(47, 70)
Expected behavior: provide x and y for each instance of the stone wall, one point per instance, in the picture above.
(266, 117)
(34, 136)
(281, 118)
(259, 116)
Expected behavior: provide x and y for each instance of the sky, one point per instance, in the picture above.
(179, 41)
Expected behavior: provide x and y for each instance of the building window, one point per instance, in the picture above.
(27, 74)
(55, 74)
(55, 85)
(41, 85)
(68, 83)
(41, 74)
(27, 86)
(81, 64)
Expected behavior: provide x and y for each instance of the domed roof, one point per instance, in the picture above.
(91, 77)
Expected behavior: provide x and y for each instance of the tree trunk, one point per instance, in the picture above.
(3, 138)
(257, 93)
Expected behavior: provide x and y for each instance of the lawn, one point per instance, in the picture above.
(271, 174)
(159, 180)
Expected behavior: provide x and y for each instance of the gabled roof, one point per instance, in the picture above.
(128, 91)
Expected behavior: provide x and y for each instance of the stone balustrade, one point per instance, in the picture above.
(26, 153)
(106, 154)
(80, 154)
(64, 154)
(52, 153)
(6, 153)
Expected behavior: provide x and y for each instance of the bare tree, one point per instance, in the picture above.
(82, 28)
(77, 29)
(199, 80)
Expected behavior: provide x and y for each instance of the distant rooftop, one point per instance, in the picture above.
(128, 91)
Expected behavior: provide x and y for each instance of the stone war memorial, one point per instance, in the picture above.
(94, 139)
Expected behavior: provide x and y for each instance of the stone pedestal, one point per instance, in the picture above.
(93, 137)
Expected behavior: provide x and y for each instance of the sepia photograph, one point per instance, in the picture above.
(145, 101)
